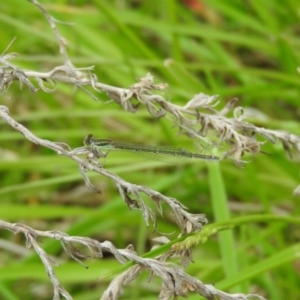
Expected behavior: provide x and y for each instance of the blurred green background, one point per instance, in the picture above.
(243, 49)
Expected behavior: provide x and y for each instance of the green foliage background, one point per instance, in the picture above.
(244, 49)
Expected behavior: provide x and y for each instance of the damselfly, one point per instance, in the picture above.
(160, 153)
